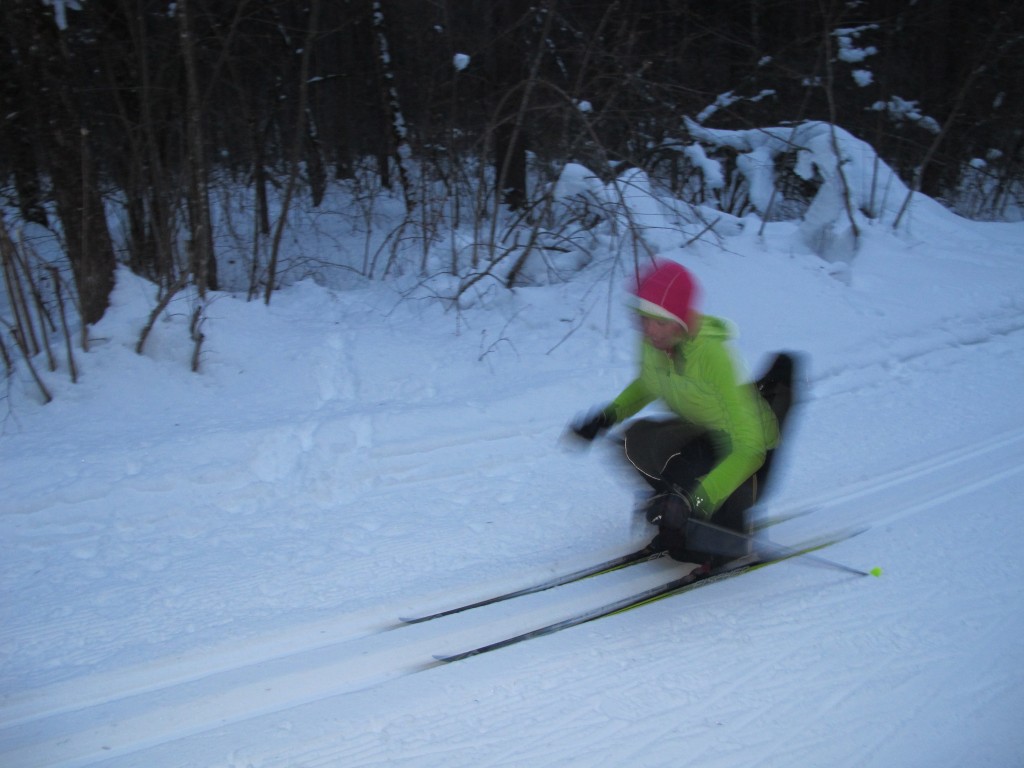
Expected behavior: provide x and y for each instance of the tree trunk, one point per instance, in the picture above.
(84, 220)
(45, 69)
(506, 73)
(399, 146)
(202, 258)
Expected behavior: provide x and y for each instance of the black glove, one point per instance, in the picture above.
(670, 510)
(588, 427)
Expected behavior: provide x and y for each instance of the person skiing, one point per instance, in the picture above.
(709, 460)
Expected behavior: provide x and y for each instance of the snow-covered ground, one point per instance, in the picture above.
(204, 570)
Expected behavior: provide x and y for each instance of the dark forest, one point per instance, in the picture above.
(148, 108)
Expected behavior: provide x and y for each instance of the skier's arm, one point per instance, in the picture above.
(632, 399)
(739, 438)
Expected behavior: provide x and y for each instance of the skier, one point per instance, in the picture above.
(707, 462)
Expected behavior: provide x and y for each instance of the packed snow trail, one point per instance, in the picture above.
(860, 648)
(83, 728)
(195, 569)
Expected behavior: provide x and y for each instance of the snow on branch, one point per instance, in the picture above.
(823, 154)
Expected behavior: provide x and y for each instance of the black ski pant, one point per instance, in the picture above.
(674, 452)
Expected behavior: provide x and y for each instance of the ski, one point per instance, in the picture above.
(693, 580)
(631, 558)
(598, 569)
(768, 522)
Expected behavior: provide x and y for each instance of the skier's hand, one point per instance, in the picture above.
(670, 510)
(700, 506)
(592, 424)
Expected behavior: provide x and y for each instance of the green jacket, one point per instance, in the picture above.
(701, 385)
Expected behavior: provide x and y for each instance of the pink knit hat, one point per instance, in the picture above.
(670, 292)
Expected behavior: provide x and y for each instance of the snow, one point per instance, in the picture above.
(60, 10)
(900, 110)
(206, 569)
(848, 51)
(863, 77)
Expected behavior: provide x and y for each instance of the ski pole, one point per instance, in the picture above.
(780, 550)
(784, 551)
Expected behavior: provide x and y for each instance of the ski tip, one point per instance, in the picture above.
(876, 571)
(405, 620)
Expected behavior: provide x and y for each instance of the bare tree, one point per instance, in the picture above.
(45, 66)
(296, 146)
(203, 261)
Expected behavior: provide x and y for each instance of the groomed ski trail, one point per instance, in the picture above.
(117, 718)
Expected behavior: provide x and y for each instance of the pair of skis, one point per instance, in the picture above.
(694, 579)
(633, 558)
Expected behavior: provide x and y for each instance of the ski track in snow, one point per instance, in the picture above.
(88, 721)
(321, 693)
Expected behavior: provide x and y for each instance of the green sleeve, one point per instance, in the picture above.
(739, 436)
(631, 400)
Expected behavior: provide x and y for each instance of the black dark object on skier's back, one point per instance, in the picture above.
(714, 544)
(776, 387)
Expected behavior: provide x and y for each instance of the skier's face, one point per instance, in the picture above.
(663, 334)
